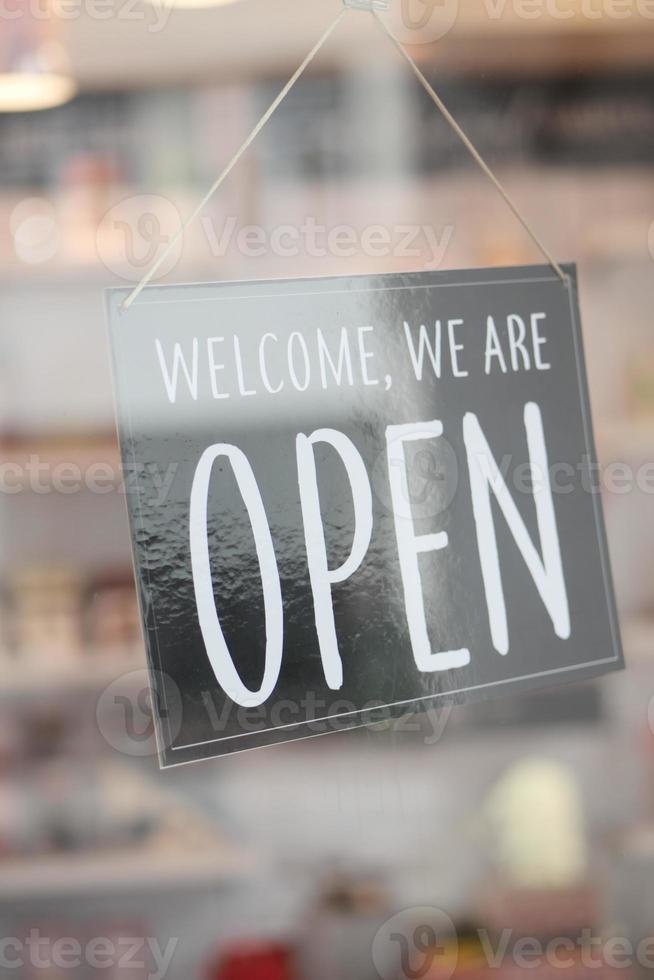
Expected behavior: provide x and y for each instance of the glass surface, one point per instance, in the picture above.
(382, 852)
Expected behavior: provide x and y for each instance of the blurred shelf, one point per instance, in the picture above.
(222, 44)
(143, 870)
(184, 849)
(82, 451)
(638, 843)
(626, 440)
(31, 677)
(638, 640)
(71, 275)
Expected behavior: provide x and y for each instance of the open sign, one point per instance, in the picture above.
(368, 507)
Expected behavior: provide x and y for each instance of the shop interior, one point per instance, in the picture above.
(284, 863)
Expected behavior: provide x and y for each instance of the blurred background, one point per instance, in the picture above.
(371, 853)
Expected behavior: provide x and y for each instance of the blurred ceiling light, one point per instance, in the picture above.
(34, 69)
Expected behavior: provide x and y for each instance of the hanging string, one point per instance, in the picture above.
(472, 149)
(148, 277)
(349, 5)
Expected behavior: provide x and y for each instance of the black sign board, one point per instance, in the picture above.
(351, 495)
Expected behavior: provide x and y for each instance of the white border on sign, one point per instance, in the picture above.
(583, 395)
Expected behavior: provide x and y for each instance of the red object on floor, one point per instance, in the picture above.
(261, 961)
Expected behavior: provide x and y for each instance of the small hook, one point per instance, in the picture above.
(373, 6)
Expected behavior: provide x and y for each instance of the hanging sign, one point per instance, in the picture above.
(360, 495)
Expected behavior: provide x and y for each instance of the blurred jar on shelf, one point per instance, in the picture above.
(337, 935)
(641, 386)
(45, 612)
(88, 187)
(112, 617)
